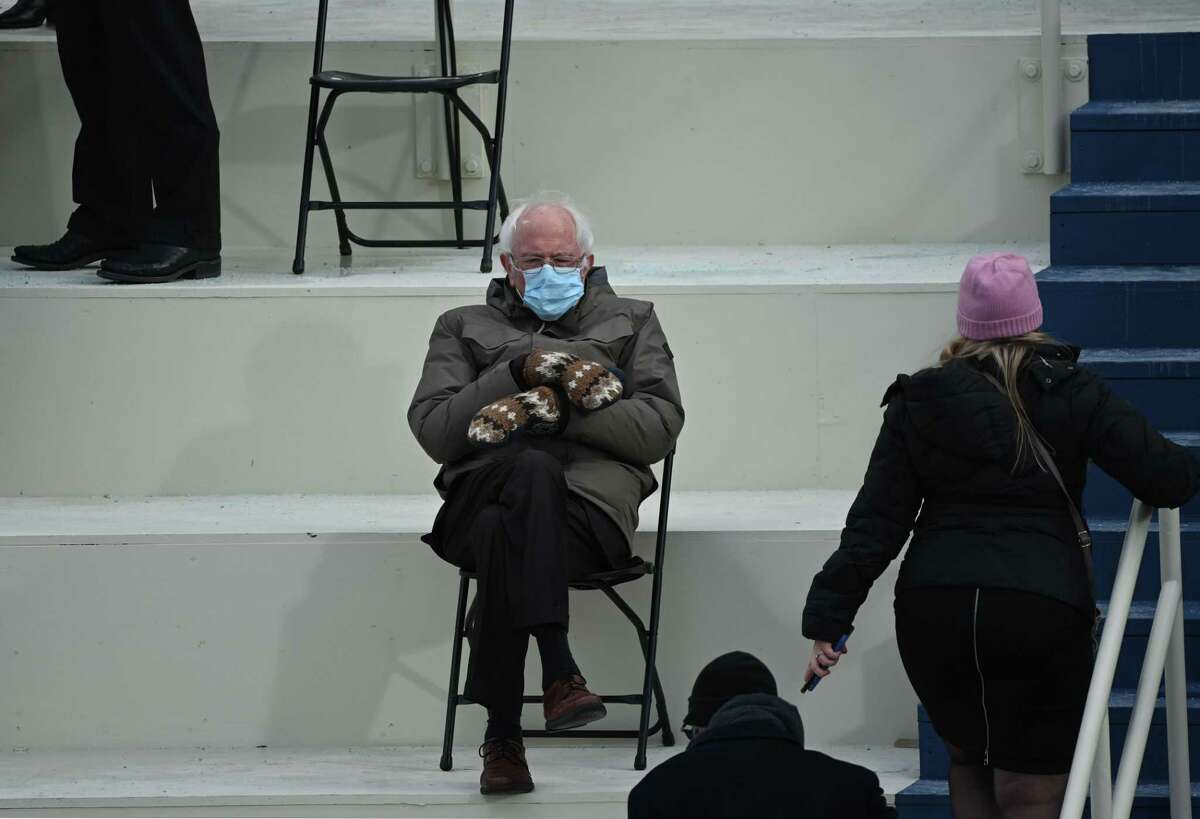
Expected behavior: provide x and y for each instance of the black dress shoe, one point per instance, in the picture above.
(71, 251)
(24, 14)
(161, 263)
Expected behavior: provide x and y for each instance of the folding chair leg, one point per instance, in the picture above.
(454, 151)
(485, 265)
(455, 664)
(639, 760)
(664, 720)
(310, 140)
(331, 178)
(449, 64)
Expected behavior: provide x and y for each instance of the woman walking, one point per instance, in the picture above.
(985, 457)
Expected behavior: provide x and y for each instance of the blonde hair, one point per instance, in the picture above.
(1010, 355)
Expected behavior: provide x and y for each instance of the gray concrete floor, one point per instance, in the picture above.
(390, 20)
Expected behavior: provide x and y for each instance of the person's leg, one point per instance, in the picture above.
(944, 674)
(534, 499)
(109, 184)
(1029, 796)
(1038, 696)
(179, 128)
(972, 793)
(554, 651)
(592, 541)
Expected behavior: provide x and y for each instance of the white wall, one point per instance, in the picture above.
(666, 142)
(340, 641)
(203, 396)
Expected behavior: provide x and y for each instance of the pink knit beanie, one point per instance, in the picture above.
(998, 298)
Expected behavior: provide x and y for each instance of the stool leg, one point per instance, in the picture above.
(455, 664)
(310, 142)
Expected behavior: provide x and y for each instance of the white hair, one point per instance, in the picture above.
(583, 227)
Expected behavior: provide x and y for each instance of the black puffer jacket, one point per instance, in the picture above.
(750, 763)
(947, 449)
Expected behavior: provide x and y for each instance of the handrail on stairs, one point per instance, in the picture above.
(1164, 652)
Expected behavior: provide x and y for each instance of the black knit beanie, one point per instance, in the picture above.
(726, 677)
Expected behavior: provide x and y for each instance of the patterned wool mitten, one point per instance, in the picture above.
(536, 411)
(587, 385)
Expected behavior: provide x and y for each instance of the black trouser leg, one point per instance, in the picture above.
(181, 138)
(110, 183)
(515, 524)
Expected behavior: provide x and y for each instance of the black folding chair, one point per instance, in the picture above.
(448, 85)
(647, 637)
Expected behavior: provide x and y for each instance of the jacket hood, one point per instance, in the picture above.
(957, 408)
(753, 716)
(505, 298)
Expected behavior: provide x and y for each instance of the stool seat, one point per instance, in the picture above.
(381, 84)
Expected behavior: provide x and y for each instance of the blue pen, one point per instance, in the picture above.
(839, 647)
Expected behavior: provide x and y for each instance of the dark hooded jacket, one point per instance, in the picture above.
(606, 454)
(750, 763)
(947, 450)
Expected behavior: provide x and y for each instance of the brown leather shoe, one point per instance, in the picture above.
(568, 704)
(504, 767)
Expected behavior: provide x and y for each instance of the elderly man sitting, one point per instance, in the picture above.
(545, 407)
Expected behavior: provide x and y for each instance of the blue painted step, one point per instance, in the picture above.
(1122, 306)
(1106, 498)
(1164, 384)
(935, 763)
(930, 799)
(1137, 635)
(1144, 66)
(1107, 538)
(1122, 223)
(1135, 140)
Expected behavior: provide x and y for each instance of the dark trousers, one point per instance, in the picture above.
(515, 523)
(146, 165)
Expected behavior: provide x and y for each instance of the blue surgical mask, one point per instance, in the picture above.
(550, 292)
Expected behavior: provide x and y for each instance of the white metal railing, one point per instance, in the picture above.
(1052, 105)
(1165, 651)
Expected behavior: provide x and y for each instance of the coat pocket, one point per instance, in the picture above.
(604, 342)
(490, 344)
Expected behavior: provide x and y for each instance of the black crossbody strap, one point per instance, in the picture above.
(1047, 462)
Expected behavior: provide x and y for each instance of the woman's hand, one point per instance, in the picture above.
(823, 659)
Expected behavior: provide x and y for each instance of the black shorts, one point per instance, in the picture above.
(1003, 674)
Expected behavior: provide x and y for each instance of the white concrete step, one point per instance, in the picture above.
(268, 383)
(322, 622)
(268, 21)
(683, 124)
(571, 780)
(394, 518)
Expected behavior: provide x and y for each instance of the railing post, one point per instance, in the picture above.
(1102, 778)
(1052, 113)
(1153, 663)
(1106, 661)
(1177, 716)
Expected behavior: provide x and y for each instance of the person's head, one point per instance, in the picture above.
(544, 236)
(730, 675)
(999, 316)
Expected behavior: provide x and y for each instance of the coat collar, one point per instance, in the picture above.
(753, 716)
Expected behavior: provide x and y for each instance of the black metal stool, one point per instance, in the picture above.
(448, 85)
(647, 637)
